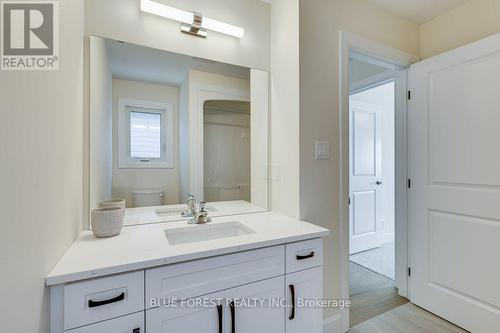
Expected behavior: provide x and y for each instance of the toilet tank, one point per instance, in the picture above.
(146, 198)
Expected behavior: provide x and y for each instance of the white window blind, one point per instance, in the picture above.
(145, 135)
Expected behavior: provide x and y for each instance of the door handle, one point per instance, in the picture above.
(379, 182)
(292, 313)
(233, 317)
(219, 312)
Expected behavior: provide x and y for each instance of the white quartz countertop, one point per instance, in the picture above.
(146, 246)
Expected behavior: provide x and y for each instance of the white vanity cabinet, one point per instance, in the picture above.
(260, 290)
(256, 317)
(232, 311)
(304, 285)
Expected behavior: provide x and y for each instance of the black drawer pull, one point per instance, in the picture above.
(95, 304)
(308, 256)
(292, 313)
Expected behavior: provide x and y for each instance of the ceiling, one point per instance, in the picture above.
(139, 63)
(418, 11)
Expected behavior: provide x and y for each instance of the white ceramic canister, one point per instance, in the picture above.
(107, 221)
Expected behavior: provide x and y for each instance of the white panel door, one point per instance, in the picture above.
(454, 200)
(365, 223)
(245, 313)
(302, 286)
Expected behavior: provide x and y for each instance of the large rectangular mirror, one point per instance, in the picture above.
(163, 126)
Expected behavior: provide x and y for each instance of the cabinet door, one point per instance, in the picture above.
(256, 307)
(206, 318)
(304, 285)
(133, 323)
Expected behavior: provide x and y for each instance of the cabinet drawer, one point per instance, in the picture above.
(304, 255)
(133, 323)
(205, 276)
(100, 299)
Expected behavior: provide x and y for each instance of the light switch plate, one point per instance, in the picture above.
(322, 150)
(276, 172)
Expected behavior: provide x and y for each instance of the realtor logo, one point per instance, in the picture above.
(30, 35)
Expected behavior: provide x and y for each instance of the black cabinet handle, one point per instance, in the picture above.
(310, 255)
(233, 317)
(136, 330)
(292, 291)
(95, 304)
(219, 311)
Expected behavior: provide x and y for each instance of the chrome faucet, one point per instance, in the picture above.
(201, 215)
(191, 203)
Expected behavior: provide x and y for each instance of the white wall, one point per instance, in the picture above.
(184, 188)
(40, 175)
(383, 96)
(320, 24)
(474, 20)
(125, 181)
(122, 20)
(285, 107)
(259, 122)
(101, 120)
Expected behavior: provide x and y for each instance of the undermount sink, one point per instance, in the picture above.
(205, 232)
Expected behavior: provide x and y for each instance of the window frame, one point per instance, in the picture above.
(125, 161)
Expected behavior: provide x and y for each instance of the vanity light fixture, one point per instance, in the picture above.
(191, 23)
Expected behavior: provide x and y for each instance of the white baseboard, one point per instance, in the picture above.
(338, 323)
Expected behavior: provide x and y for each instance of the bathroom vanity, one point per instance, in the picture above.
(173, 277)
(196, 128)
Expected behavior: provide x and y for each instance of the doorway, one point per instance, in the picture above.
(375, 293)
(372, 176)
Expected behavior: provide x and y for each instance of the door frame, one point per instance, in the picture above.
(361, 47)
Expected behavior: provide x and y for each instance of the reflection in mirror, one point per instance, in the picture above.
(227, 150)
(164, 125)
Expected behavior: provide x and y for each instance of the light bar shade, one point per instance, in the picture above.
(222, 27)
(186, 17)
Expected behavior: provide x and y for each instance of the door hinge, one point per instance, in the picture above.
(409, 271)
(409, 182)
(409, 94)
(349, 200)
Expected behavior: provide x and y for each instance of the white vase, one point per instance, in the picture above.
(107, 221)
